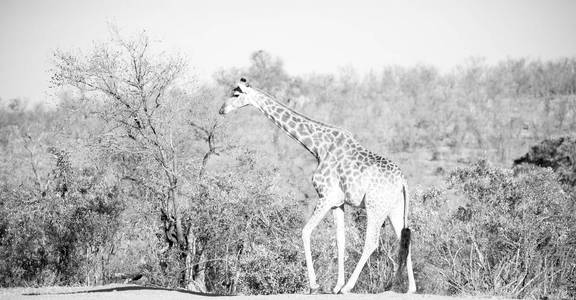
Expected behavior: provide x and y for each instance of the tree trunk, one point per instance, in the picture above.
(195, 278)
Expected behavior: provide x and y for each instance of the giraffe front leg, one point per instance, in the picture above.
(338, 214)
(321, 210)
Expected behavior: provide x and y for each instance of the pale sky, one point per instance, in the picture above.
(310, 36)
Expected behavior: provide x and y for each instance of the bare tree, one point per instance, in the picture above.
(136, 91)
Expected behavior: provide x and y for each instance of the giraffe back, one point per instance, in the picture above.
(358, 171)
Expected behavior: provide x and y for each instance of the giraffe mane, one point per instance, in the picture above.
(296, 112)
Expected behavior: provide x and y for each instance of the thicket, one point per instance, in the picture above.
(63, 232)
(559, 154)
(514, 236)
(135, 174)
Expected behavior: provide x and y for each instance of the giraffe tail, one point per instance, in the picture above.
(404, 238)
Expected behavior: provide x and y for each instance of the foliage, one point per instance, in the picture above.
(250, 232)
(64, 234)
(513, 237)
(245, 235)
(133, 90)
(558, 154)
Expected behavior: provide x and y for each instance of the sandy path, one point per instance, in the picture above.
(142, 293)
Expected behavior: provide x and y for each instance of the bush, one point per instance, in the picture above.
(62, 236)
(558, 154)
(515, 235)
(245, 234)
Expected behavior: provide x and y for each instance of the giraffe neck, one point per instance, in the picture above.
(308, 132)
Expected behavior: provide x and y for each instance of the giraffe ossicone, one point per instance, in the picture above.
(347, 174)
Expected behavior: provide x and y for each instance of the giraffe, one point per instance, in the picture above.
(347, 174)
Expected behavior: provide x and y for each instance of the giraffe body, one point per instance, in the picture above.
(347, 173)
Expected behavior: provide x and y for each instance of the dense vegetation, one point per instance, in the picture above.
(514, 235)
(134, 173)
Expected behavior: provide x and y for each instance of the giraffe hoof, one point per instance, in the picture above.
(337, 288)
(344, 291)
(314, 290)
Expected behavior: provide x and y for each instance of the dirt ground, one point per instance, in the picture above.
(136, 292)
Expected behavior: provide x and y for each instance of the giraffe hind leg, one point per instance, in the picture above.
(373, 225)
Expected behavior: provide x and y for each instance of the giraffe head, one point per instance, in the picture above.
(238, 98)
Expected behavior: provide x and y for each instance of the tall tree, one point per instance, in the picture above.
(137, 92)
